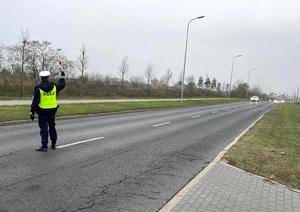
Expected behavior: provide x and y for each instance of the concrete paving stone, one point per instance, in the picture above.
(279, 208)
(201, 210)
(227, 209)
(211, 207)
(236, 209)
(296, 209)
(185, 207)
(287, 208)
(190, 201)
(228, 189)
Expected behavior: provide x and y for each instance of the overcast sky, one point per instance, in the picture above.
(265, 32)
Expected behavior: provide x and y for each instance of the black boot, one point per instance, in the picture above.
(42, 149)
(53, 147)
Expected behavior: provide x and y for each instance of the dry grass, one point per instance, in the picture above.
(272, 147)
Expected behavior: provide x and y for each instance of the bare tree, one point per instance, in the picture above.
(12, 58)
(24, 58)
(2, 48)
(149, 74)
(137, 81)
(168, 77)
(123, 69)
(191, 80)
(42, 56)
(18, 56)
(179, 81)
(82, 65)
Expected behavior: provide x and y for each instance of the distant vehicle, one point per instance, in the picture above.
(254, 99)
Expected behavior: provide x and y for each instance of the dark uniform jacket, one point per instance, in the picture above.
(46, 86)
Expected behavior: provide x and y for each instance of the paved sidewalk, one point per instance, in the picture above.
(226, 188)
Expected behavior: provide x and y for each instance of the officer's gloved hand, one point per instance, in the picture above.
(62, 74)
(31, 116)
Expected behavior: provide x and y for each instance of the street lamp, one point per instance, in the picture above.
(232, 72)
(297, 94)
(260, 85)
(186, 46)
(252, 69)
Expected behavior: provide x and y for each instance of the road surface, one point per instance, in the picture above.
(123, 162)
(77, 101)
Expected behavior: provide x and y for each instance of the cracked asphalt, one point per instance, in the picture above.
(135, 167)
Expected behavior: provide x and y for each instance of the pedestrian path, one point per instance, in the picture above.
(226, 188)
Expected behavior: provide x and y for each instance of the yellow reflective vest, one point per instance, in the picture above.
(48, 99)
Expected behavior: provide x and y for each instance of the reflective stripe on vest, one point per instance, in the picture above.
(48, 99)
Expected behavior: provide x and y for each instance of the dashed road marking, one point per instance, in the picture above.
(79, 142)
(195, 116)
(161, 124)
(214, 112)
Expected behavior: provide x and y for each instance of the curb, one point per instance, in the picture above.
(180, 194)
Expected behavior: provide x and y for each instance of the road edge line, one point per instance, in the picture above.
(180, 194)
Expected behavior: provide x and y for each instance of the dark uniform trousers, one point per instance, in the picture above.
(47, 120)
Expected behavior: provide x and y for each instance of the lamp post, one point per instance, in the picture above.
(297, 95)
(232, 72)
(248, 81)
(260, 85)
(185, 52)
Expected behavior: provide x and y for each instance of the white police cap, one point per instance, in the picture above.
(44, 74)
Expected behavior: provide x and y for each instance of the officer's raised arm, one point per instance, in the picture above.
(61, 82)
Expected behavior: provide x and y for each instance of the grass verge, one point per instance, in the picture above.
(272, 147)
(10, 113)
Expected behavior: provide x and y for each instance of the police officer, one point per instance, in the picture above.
(45, 105)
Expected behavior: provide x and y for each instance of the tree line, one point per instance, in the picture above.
(21, 63)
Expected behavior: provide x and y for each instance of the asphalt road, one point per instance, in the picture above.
(123, 162)
(77, 101)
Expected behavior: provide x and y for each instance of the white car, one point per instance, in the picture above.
(254, 99)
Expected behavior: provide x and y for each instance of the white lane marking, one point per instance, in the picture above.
(228, 109)
(165, 123)
(214, 112)
(195, 116)
(79, 142)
